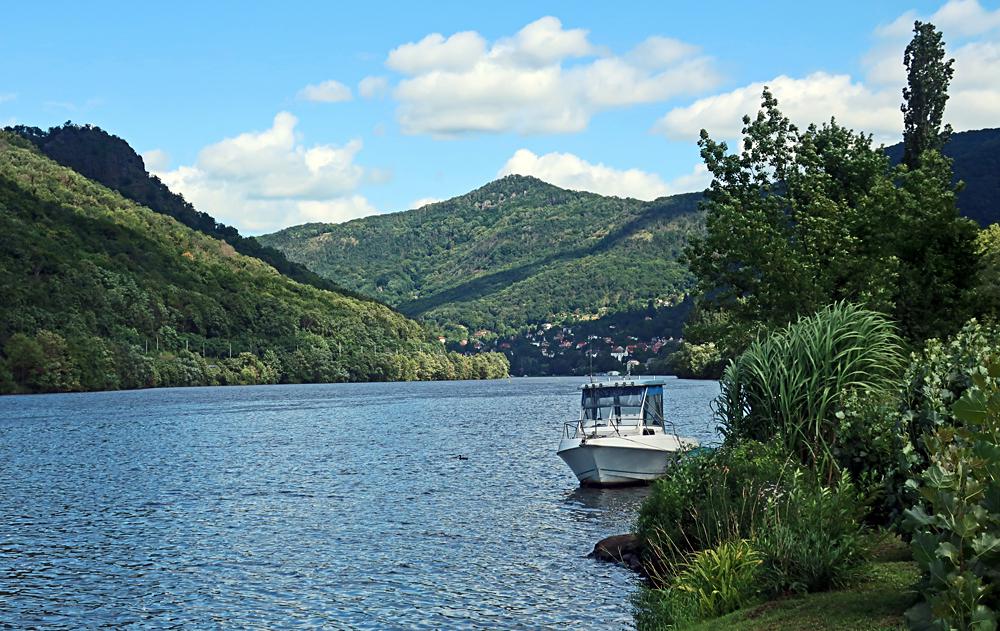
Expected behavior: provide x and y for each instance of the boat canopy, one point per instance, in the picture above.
(624, 401)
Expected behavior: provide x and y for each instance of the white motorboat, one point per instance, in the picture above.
(621, 436)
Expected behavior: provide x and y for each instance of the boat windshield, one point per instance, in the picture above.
(602, 404)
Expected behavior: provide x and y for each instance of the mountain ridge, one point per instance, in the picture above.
(108, 159)
(392, 255)
(506, 243)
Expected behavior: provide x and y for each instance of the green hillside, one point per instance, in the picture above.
(519, 251)
(515, 251)
(109, 160)
(101, 293)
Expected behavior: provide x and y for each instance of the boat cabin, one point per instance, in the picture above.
(622, 406)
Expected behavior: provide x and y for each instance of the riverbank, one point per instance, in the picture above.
(876, 601)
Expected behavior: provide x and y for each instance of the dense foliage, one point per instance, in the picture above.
(975, 157)
(797, 220)
(109, 160)
(956, 523)
(100, 293)
(789, 219)
(726, 528)
(797, 386)
(514, 252)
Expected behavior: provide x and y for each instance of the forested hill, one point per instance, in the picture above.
(101, 293)
(515, 251)
(519, 251)
(109, 160)
(976, 161)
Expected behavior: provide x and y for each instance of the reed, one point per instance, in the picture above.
(792, 385)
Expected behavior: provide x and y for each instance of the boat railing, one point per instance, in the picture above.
(588, 428)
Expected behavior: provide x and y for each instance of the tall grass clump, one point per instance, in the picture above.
(811, 540)
(723, 578)
(797, 384)
(727, 527)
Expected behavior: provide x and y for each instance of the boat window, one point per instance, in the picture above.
(606, 403)
(653, 412)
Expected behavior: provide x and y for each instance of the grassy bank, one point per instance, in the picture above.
(834, 441)
(876, 603)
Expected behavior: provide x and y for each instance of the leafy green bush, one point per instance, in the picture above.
(935, 379)
(811, 539)
(956, 526)
(708, 498)
(723, 578)
(794, 385)
(696, 361)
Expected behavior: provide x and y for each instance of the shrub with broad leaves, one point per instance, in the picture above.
(956, 523)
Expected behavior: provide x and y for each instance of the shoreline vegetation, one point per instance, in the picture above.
(858, 482)
(100, 293)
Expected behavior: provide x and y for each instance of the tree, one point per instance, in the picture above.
(936, 248)
(799, 220)
(794, 222)
(59, 371)
(926, 93)
(24, 358)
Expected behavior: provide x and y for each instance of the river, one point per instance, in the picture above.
(340, 506)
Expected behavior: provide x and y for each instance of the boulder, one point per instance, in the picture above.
(622, 549)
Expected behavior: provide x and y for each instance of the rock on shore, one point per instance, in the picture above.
(622, 549)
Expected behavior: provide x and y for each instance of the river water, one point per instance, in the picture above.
(335, 506)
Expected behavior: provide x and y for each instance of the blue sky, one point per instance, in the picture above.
(598, 96)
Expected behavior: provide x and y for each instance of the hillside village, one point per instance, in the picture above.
(552, 349)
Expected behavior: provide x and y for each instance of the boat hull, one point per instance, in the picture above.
(618, 461)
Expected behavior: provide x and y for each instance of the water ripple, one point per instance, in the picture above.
(335, 506)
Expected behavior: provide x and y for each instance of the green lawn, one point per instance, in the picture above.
(877, 603)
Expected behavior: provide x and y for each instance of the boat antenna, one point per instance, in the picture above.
(590, 355)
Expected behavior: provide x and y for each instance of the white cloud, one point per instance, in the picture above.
(9, 96)
(697, 180)
(437, 53)
(567, 170)
(955, 18)
(326, 92)
(542, 43)
(423, 201)
(814, 98)
(536, 81)
(261, 181)
(373, 87)
(870, 105)
(156, 160)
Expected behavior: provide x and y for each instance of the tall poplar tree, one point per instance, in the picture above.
(925, 94)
